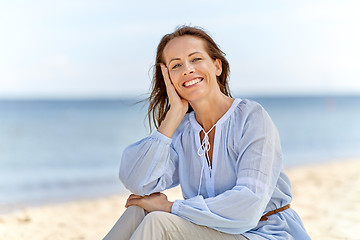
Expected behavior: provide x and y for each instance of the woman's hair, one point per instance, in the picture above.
(159, 103)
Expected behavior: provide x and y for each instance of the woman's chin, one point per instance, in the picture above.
(196, 96)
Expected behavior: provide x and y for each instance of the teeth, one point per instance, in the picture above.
(192, 82)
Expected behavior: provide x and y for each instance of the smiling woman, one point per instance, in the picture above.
(194, 74)
(242, 193)
(159, 101)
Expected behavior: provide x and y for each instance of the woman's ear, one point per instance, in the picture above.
(218, 65)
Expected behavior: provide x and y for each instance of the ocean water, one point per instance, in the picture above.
(61, 150)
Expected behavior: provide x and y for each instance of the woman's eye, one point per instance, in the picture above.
(175, 66)
(196, 59)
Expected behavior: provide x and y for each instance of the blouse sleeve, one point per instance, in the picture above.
(149, 165)
(258, 167)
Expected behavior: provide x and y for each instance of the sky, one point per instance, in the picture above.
(106, 49)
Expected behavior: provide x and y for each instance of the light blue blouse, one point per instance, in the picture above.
(245, 182)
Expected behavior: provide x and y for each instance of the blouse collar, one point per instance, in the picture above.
(227, 114)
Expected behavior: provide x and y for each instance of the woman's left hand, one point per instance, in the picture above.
(153, 202)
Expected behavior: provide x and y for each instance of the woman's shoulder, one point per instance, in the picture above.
(248, 106)
(249, 112)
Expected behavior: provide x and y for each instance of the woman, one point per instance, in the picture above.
(224, 152)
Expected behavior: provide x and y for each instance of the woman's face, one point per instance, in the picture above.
(192, 71)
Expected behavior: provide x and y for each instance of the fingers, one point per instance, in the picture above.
(165, 73)
(154, 194)
(133, 196)
(163, 195)
(135, 201)
(170, 89)
(130, 201)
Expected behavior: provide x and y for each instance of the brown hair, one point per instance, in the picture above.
(159, 103)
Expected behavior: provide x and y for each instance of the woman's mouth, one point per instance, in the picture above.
(192, 82)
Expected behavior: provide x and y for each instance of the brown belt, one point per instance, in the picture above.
(265, 217)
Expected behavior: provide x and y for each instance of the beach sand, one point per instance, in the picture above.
(326, 196)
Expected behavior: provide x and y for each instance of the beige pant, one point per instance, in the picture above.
(136, 224)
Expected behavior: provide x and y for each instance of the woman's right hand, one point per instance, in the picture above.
(176, 102)
(178, 107)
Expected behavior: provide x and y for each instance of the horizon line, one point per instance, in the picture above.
(140, 98)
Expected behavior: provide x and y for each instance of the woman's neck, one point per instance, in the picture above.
(209, 110)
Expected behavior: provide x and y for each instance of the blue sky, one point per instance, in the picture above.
(106, 48)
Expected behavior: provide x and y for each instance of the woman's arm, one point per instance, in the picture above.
(150, 165)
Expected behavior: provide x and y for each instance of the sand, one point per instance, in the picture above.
(326, 196)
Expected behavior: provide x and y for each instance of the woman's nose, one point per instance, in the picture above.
(189, 68)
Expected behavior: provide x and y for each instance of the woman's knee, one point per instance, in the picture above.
(135, 209)
(153, 226)
(156, 216)
(158, 220)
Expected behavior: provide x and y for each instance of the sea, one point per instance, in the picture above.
(55, 151)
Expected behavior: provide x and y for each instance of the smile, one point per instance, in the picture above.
(192, 82)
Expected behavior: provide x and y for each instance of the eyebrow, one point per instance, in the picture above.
(173, 59)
